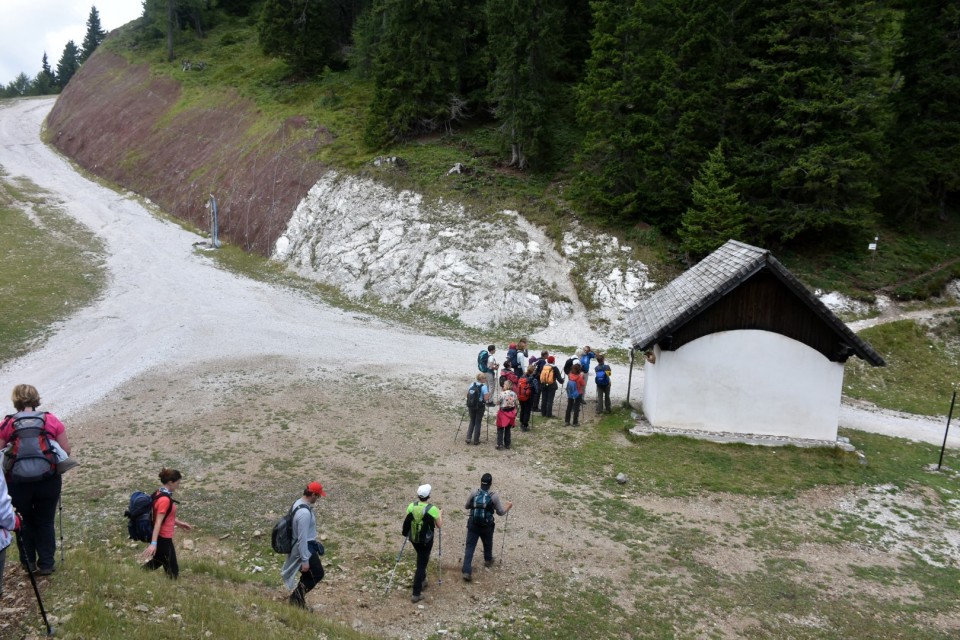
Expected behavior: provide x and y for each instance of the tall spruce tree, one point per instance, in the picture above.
(301, 32)
(95, 35)
(45, 83)
(716, 213)
(526, 46)
(925, 133)
(68, 65)
(424, 50)
(806, 142)
(653, 103)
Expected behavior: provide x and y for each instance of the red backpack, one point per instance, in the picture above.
(524, 389)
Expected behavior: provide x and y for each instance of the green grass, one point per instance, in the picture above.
(109, 597)
(923, 367)
(675, 466)
(52, 266)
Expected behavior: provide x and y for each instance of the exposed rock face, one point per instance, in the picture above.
(135, 128)
(368, 239)
(123, 123)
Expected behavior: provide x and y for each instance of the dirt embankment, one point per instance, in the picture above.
(139, 130)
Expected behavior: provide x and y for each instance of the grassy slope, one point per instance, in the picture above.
(52, 266)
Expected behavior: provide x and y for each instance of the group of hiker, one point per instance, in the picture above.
(32, 480)
(524, 384)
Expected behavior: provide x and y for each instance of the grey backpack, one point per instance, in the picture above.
(31, 458)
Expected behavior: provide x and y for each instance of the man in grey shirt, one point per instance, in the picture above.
(480, 507)
(304, 556)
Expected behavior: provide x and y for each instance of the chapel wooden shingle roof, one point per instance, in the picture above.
(711, 279)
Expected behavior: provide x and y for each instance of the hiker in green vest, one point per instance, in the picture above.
(480, 507)
(418, 527)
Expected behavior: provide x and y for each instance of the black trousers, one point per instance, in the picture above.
(37, 504)
(166, 557)
(308, 579)
(423, 559)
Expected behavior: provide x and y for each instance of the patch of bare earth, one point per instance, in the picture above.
(249, 433)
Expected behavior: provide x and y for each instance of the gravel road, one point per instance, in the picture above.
(168, 306)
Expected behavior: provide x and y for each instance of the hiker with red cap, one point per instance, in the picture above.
(304, 557)
(550, 377)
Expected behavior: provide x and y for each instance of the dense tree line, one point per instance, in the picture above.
(771, 120)
(47, 81)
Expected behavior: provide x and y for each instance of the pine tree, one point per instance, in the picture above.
(925, 132)
(45, 83)
(95, 35)
(524, 43)
(19, 86)
(423, 67)
(68, 65)
(300, 32)
(653, 103)
(806, 141)
(716, 213)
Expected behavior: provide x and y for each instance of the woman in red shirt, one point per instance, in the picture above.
(161, 552)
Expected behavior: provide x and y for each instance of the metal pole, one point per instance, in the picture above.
(392, 573)
(33, 580)
(506, 518)
(457, 434)
(947, 430)
(630, 377)
(214, 232)
(439, 557)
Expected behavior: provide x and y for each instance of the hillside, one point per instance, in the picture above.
(488, 246)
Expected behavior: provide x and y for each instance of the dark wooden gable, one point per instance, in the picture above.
(765, 303)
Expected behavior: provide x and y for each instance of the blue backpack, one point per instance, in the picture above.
(573, 391)
(482, 359)
(603, 379)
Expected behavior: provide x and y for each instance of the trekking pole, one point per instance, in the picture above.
(506, 518)
(457, 434)
(486, 410)
(439, 557)
(392, 573)
(33, 581)
(60, 506)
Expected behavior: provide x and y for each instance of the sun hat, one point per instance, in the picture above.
(423, 491)
(316, 489)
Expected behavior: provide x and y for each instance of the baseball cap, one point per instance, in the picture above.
(486, 480)
(423, 491)
(316, 489)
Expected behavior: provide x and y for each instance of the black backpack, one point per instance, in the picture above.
(416, 527)
(475, 396)
(33, 458)
(482, 511)
(281, 539)
(568, 365)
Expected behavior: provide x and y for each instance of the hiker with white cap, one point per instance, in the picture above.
(418, 527)
(481, 506)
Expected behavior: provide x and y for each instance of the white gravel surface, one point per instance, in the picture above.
(168, 306)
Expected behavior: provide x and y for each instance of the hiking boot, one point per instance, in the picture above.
(476, 442)
(416, 598)
(468, 442)
(45, 571)
(297, 599)
(506, 446)
(467, 577)
(499, 446)
(489, 563)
